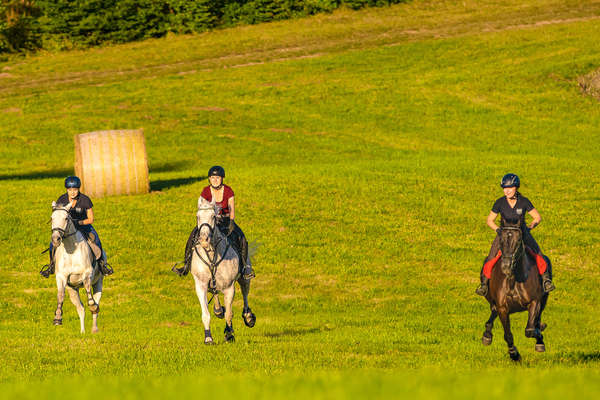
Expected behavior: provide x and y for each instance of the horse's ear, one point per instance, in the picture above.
(53, 205)
(68, 206)
(201, 201)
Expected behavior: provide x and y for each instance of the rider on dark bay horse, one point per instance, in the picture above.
(512, 208)
(82, 216)
(223, 196)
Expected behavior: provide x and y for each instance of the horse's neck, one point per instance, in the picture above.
(72, 237)
(221, 242)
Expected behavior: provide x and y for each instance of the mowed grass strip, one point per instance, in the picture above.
(364, 175)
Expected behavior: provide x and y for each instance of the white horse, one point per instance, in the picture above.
(75, 267)
(215, 267)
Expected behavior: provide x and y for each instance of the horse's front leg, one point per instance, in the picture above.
(228, 295)
(201, 290)
(217, 309)
(97, 296)
(247, 314)
(486, 339)
(87, 284)
(508, 336)
(61, 283)
(76, 300)
(533, 326)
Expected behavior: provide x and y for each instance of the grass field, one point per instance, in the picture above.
(365, 149)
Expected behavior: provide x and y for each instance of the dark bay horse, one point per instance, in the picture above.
(516, 286)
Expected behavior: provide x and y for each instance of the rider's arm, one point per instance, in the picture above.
(231, 205)
(90, 218)
(537, 218)
(491, 221)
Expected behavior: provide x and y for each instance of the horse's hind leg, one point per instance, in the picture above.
(201, 290)
(486, 339)
(61, 283)
(87, 284)
(247, 314)
(228, 295)
(97, 296)
(74, 296)
(508, 336)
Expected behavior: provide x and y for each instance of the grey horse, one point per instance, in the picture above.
(215, 267)
(75, 267)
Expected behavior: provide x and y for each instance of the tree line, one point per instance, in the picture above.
(28, 25)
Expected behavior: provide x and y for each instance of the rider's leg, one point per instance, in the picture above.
(189, 249)
(102, 260)
(247, 271)
(48, 269)
(542, 266)
(487, 266)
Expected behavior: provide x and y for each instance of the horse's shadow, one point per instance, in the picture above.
(584, 357)
(296, 332)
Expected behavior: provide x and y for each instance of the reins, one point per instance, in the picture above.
(213, 263)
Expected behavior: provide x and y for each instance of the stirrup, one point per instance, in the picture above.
(105, 268)
(248, 275)
(47, 270)
(482, 290)
(548, 286)
(183, 271)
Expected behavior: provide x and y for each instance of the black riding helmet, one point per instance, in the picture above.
(510, 180)
(72, 182)
(216, 171)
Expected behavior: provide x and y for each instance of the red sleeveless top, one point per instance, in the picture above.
(227, 194)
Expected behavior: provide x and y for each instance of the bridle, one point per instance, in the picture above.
(212, 263)
(518, 253)
(61, 231)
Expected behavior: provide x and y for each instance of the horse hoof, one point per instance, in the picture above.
(486, 340)
(208, 341)
(514, 354)
(229, 338)
(219, 312)
(95, 330)
(57, 321)
(249, 318)
(540, 348)
(543, 326)
(529, 333)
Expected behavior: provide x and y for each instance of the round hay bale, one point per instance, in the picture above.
(112, 162)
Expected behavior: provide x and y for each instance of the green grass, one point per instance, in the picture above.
(365, 149)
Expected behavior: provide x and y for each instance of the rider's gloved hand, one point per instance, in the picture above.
(498, 230)
(231, 227)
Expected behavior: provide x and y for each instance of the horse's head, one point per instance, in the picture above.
(206, 218)
(511, 245)
(60, 222)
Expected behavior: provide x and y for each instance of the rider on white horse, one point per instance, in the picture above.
(83, 216)
(223, 196)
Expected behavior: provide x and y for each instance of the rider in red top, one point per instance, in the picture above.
(512, 208)
(223, 196)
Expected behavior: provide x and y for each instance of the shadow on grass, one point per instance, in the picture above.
(59, 173)
(171, 183)
(296, 332)
(585, 357)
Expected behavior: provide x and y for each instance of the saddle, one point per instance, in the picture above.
(541, 263)
(91, 239)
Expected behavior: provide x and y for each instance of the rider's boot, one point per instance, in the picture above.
(189, 248)
(483, 288)
(547, 283)
(247, 271)
(105, 267)
(48, 269)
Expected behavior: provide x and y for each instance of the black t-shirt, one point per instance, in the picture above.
(83, 204)
(515, 214)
